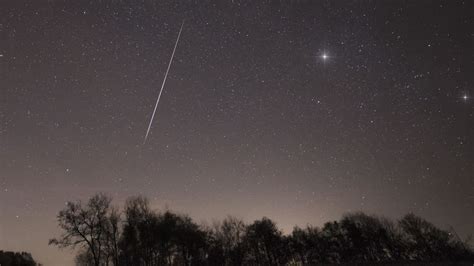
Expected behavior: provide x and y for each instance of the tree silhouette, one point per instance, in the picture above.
(90, 227)
(148, 238)
(159, 238)
(84, 258)
(361, 230)
(426, 242)
(131, 244)
(226, 242)
(306, 245)
(265, 244)
(8, 258)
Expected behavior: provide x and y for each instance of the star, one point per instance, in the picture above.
(324, 56)
(303, 107)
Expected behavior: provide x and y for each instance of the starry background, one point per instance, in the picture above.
(253, 120)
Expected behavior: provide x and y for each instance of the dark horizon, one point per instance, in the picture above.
(299, 111)
(100, 233)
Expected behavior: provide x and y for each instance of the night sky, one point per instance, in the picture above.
(295, 110)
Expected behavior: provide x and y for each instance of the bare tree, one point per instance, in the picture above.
(148, 238)
(93, 227)
(138, 218)
(228, 238)
(264, 243)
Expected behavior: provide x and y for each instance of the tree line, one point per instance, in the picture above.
(140, 236)
(10, 258)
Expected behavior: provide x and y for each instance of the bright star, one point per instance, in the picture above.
(465, 97)
(324, 56)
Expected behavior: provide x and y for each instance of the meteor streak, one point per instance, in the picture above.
(163, 84)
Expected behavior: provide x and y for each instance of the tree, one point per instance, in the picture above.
(370, 239)
(227, 242)
(426, 242)
(9, 258)
(149, 238)
(132, 241)
(112, 236)
(305, 246)
(84, 258)
(189, 240)
(264, 243)
(90, 227)
(334, 242)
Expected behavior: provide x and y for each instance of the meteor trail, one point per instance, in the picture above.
(163, 84)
